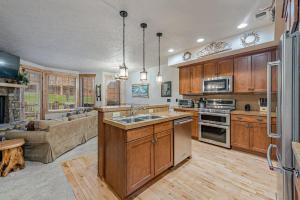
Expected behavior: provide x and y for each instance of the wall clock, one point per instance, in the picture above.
(187, 55)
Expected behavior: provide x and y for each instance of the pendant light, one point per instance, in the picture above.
(159, 76)
(123, 70)
(143, 74)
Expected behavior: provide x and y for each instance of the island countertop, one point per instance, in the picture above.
(127, 107)
(166, 116)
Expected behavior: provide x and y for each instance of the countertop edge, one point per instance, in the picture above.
(147, 123)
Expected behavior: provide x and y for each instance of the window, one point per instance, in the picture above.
(32, 95)
(87, 90)
(61, 92)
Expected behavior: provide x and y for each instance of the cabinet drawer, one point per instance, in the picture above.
(139, 133)
(163, 127)
(248, 118)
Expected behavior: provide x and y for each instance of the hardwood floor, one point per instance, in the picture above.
(213, 173)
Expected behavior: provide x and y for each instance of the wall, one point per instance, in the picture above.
(168, 73)
(266, 34)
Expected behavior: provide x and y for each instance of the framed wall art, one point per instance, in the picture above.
(166, 89)
(140, 90)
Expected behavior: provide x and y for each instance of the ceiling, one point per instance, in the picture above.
(87, 35)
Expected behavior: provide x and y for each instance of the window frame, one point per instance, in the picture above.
(81, 79)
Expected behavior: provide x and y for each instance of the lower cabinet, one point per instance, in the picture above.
(140, 163)
(163, 151)
(240, 134)
(259, 140)
(250, 134)
(149, 156)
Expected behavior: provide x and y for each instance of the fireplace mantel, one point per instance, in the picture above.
(11, 85)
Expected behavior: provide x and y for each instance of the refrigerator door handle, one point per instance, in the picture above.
(270, 65)
(271, 166)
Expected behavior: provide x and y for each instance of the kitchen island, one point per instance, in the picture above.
(137, 150)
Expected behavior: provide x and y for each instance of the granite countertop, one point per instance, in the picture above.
(188, 109)
(296, 150)
(127, 107)
(167, 116)
(254, 113)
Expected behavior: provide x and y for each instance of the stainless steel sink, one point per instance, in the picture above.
(138, 118)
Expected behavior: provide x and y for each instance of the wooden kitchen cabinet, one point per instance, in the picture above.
(250, 73)
(250, 133)
(210, 70)
(259, 140)
(259, 71)
(184, 80)
(140, 163)
(163, 151)
(225, 67)
(240, 134)
(190, 79)
(242, 74)
(196, 79)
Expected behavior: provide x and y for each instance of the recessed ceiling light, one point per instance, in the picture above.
(171, 50)
(242, 25)
(200, 40)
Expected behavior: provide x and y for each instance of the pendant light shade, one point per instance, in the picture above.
(123, 70)
(143, 74)
(159, 78)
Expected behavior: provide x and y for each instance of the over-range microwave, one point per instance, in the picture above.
(218, 85)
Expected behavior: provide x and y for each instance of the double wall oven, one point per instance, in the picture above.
(214, 122)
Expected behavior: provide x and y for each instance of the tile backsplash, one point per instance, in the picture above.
(241, 99)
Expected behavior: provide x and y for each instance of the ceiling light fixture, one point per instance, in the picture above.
(200, 40)
(171, 50)
(242, 25)
(123, 70)
(143, 74)
(159, 76)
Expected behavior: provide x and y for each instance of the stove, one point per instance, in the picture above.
(214, 122)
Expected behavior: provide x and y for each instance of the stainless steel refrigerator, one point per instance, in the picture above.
(287, 111)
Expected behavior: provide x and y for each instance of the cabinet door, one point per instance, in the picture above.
(163, 149)
(240, 134)
(225, 67)
(259, 71)
(210, 70)
(184, 80)
(195, 128)
(242, 74)
(259, 141)
(140, 163)
(196, 82)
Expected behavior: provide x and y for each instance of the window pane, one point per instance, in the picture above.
(88, 91)
(32, 96)
(61, 94)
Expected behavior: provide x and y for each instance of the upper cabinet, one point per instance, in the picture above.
(250, 73)
(218, 68)
(225, 67)
(190, 80)
(210, 70)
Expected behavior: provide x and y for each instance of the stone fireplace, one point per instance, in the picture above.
(11, 104)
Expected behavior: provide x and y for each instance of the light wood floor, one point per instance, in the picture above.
(213, 173)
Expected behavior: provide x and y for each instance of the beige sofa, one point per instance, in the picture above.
(60, 137)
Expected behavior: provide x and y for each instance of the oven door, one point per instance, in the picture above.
(215, 134)
(215, 118)
(217, 85)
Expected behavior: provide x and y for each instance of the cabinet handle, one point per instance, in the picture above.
(259, 119)
(153, 141)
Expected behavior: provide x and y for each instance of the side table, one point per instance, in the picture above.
(12, 156)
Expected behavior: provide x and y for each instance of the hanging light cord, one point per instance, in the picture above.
(144, 49)
(123, 41)
(159, 54)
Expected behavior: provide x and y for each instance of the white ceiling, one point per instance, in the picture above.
(86, 35)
